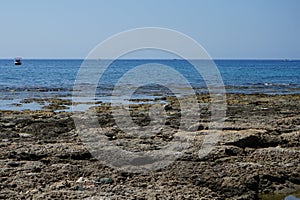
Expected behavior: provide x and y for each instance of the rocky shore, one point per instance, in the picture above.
(43, 157)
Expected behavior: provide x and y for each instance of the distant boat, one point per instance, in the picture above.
(18, 61)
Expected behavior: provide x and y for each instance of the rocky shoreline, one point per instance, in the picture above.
(42, 155)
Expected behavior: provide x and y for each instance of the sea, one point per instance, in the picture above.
(53, 78)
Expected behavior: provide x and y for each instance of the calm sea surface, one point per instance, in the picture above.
(55, 78)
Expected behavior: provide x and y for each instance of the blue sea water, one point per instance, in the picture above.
(55, 78)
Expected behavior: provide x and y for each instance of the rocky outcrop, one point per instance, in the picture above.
(258, 152)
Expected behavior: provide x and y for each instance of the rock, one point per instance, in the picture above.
(111, 134)
(251, 141)
(168, 107)
(80, 180)
(219, 152)
(9, 125)
(291, 139)
(196, 127)
(78, 187)
(9, 134)
(25, 135)
(104, 181)
(13, 164)
(60, 185)
(230, 182)
(257, 152)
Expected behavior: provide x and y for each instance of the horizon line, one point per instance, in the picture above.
(28, 58)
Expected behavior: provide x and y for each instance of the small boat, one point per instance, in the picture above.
(18, 61)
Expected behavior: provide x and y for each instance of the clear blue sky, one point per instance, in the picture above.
(225, 28)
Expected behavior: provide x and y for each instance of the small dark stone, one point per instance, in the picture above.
(13, 164)
(168, 107)
(104, 181)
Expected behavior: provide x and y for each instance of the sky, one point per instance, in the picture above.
(235, 29)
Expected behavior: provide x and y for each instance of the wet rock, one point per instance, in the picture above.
(55, 107)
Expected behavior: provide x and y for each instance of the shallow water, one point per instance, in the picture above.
(294, 196)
